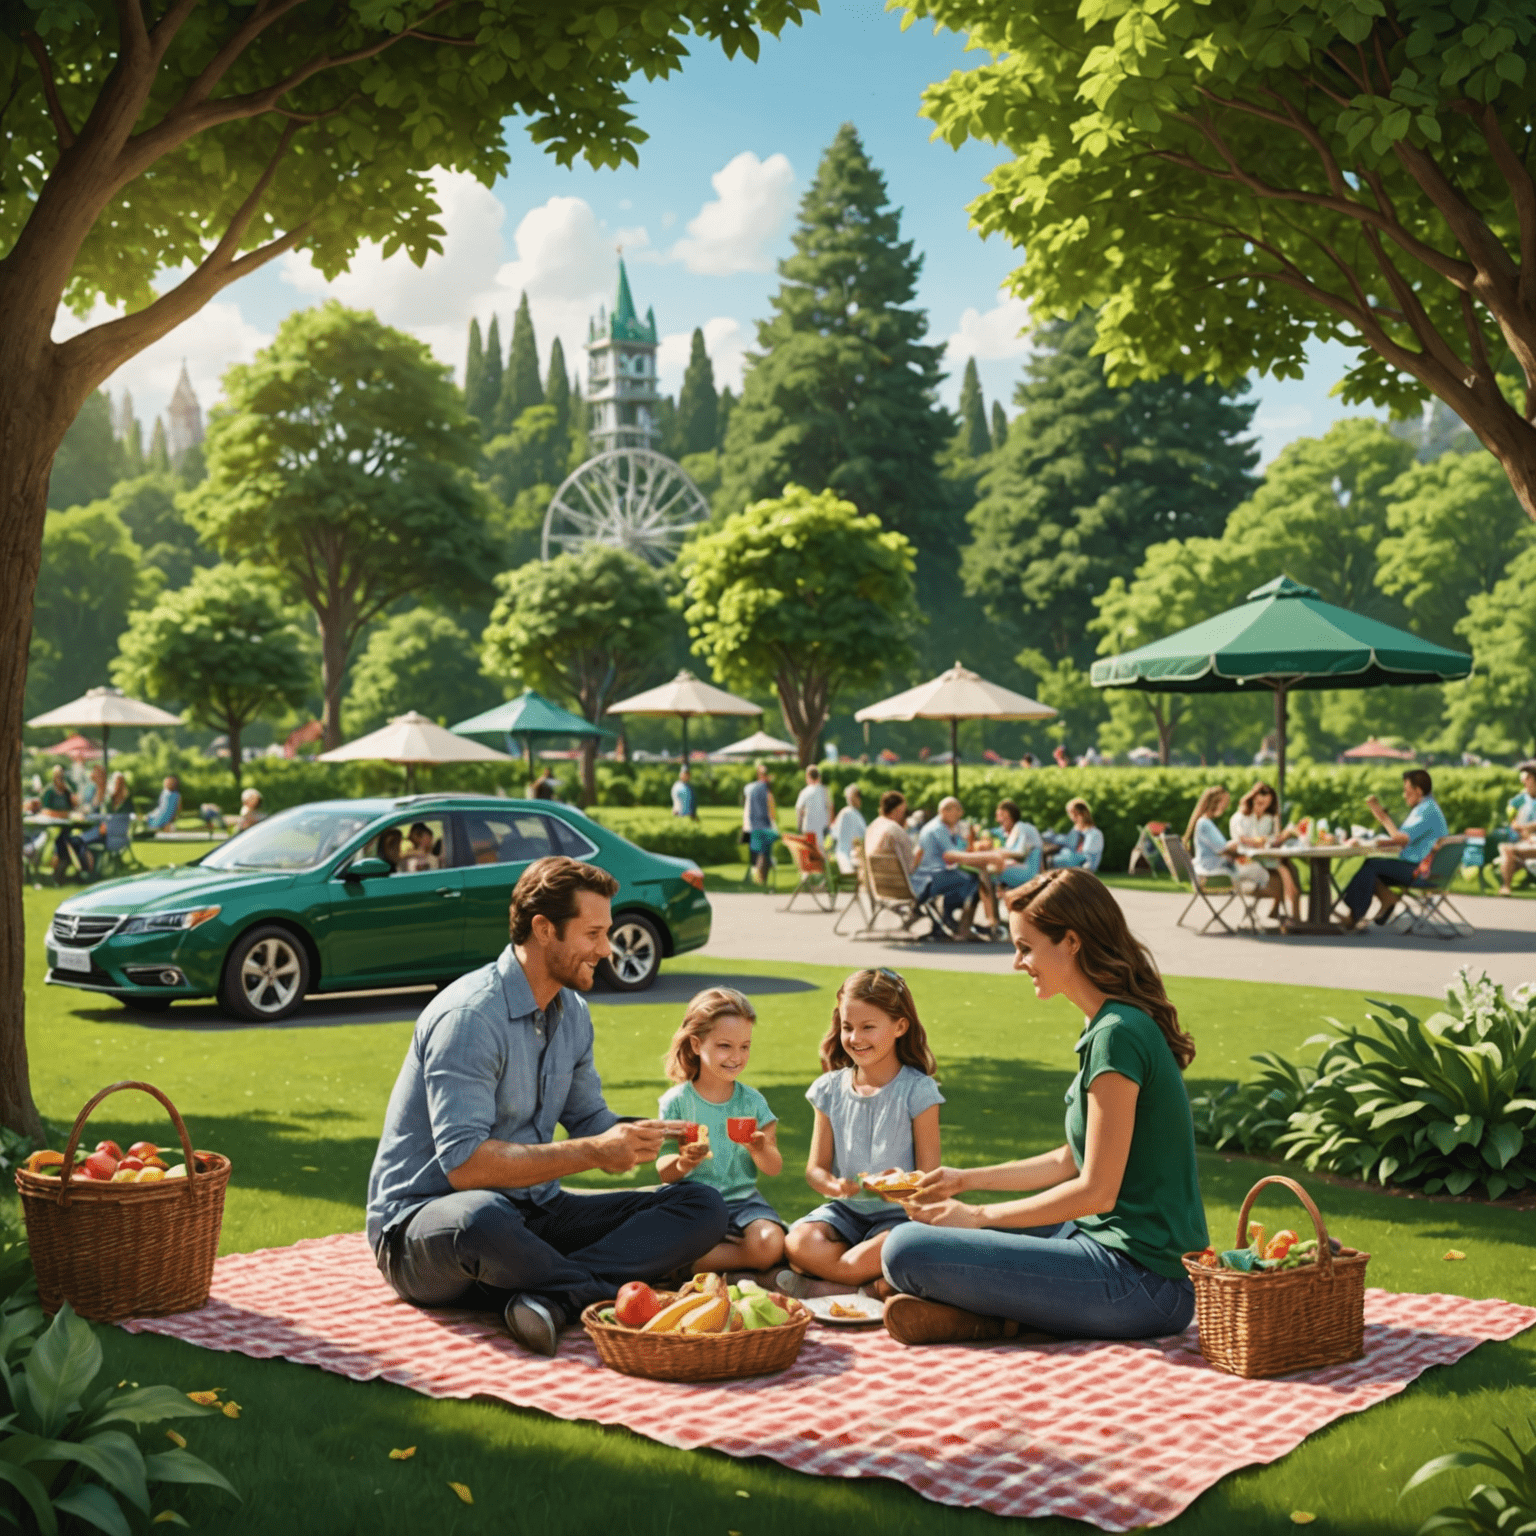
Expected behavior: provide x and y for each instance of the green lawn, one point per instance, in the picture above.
(298, 1111)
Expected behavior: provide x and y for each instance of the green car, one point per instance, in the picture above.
(342, 895)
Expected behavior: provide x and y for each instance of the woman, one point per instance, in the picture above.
(1022, 846)
(1089, 840)
(116, 802)
(1097, 1253)
(1212, 851)
(57, 802)
(1255, 824)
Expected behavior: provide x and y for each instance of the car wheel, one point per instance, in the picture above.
(636, 959)
(266, 975)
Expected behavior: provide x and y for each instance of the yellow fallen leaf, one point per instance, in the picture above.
(175, 1439)
(231, 1410)
(404, 1455)
(207, 1399)
(741, 1493)
(463, 1492)
(1302, 1517)
(1454, 1253)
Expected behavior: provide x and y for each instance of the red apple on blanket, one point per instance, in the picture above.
(637, 1304)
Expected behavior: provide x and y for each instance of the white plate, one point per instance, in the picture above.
(871, 1311)
(73, 960)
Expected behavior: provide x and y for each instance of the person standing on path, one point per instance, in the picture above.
(1098, 1252)
(760, 821)
(813, 811)
(685, 799)
(465, 1207)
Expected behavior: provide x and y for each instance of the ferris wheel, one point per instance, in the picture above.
(626, 498)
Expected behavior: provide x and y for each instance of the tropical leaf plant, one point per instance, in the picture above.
(1489, 1509)
(67, 1445)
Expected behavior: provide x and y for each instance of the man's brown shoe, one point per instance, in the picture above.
(911, 1320)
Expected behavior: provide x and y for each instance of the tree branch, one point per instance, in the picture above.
(61, 128)
(1523, 192)
(1475, 337)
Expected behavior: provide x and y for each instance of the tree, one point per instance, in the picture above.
(148, 508)
(724, 409)
(90, 459)
(557, 389)
(93, 575)
(488, 401)
(520, 387)
(999, 426)
(415, 660)
(804, 594)
(158, 460)
(223, 649)
(474, 375)
(205, 142)
(975, 441)
(586, 627)
(1090, 476)
(698, 406)
(840, 395)
(533, 453)
(1228, 182)
(1495, 709)
(339, 461)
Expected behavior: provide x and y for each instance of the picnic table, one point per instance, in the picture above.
(1322, 893)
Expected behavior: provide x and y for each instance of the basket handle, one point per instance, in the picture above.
(84, 1115)
(1324, 1250)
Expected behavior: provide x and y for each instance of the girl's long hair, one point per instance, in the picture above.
(1077, 803)
(705, 1010)
(1063, 901)
(888, 992)
(1208, 798)
(1247, 803)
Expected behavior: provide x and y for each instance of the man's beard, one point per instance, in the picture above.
(569, 971)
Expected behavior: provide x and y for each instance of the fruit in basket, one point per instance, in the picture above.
(155, 1162)
(144, 1149)
(671, 1314)
(149, 1175)
(110, 1147)
(44, 1163)
(133, 1164)
(100, 1165)
(710, 1316)
(761, 1310)
(636, 1306)
(125, 1175)
(1256, 1238)
(178, 1172)
(1280, 1244)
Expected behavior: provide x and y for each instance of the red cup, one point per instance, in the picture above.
(741, 1128)
(689, 1133)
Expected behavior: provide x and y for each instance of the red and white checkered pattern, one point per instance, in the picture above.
(1120, 1435)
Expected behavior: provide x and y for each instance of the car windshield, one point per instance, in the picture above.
(297, 839)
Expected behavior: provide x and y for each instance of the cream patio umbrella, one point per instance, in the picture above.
(411, 739)
(100, 709)
(685, 696)
(758, 744)
(956, 695)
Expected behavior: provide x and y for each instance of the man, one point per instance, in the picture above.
(685, 802)
(1422, 828)
(1522, 823)
(848, 829)
(813, 811)
(944, 855)
(888, 834)
(759, 820)
(465, 1207)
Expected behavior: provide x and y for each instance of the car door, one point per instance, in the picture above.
(403, 927)
(494, 847)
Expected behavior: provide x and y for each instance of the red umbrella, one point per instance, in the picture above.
(76, 747)
(1373, 747)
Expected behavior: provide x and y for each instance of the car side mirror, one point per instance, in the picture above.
(367, 869)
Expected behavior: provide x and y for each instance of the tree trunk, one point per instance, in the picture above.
(232, 731)
(589, 771)
(333, 671)
(1164, 733)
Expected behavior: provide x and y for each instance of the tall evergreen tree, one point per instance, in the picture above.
(557, 387)
(474, 369)
(1089, 478)
(484, 410)
(90, 459)
(520, 385)
(698, 406)
(999, 426)
(724, 408)
(841, 394)
(975, 441)
(158, 460)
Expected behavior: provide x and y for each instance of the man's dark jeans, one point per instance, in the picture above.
(478, 1247)
(1358, 893)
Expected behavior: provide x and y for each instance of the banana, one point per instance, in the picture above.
(672, 1314)
(710, 1316)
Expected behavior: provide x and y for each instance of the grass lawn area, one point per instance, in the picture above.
(298, 1110)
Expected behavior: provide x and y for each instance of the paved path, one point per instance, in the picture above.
(752, 927)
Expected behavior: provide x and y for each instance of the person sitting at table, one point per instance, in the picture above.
(1087, 846)
(118, 802)
(1255, 824)
(1421, 829)
(1522, 823)
(848, 828)
(58, 801)
(940, 847)
(167, 806)
(94, 795)
(1022, 848)
(1213, 854)
(250, 810)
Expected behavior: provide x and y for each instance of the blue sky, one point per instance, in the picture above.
(703, 218)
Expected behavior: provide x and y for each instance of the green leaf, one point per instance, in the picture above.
(93, 1504)
(179, 1466)
(62, 1364)
(34, 1493)
(150, 1405)
(1502, 1143)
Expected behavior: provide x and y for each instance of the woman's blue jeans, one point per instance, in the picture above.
(1049, 1279)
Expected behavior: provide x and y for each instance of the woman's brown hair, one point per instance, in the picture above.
(705, 1010)
(1077, 803)
(1246, 804)
(889, 992)
(1203, 807)
(1063, 901)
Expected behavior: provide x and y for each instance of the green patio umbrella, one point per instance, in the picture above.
(526, 719)
(1285, 637)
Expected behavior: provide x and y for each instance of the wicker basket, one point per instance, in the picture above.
(1268, 1322)
(697, 1356)
(125, 1250)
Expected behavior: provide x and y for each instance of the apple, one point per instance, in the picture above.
(111, 1148)
(144, 1149)
(100, 1165)
(154, 1162)
(131, 1163)
(637, 1304)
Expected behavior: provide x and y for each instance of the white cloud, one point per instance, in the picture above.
(998, 333)
(753, 199)
(725, 339)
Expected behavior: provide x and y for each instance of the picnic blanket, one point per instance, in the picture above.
(1120, 1435)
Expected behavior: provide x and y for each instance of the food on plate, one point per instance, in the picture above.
(838, 1309)
(898, 1185)
(637, 1304)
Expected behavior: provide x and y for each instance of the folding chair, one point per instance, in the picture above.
(818, 879)
(888, 888)
(1146, 852)
(115, 855)
(1429, 909)
(858, 885)
(1206, 886)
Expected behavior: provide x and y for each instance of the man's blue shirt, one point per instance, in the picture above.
(1425, 826)
(473, 1074)
(935, 839)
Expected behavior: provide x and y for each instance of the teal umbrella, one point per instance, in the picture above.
(1285, 637)
(528, 718)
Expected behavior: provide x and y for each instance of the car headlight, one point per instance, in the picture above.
(169, 922)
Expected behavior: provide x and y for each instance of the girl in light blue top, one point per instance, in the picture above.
(1021, 840)
(877, 1111)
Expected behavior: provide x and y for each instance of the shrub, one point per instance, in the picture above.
(1445, 1103)
(1488, 1510)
